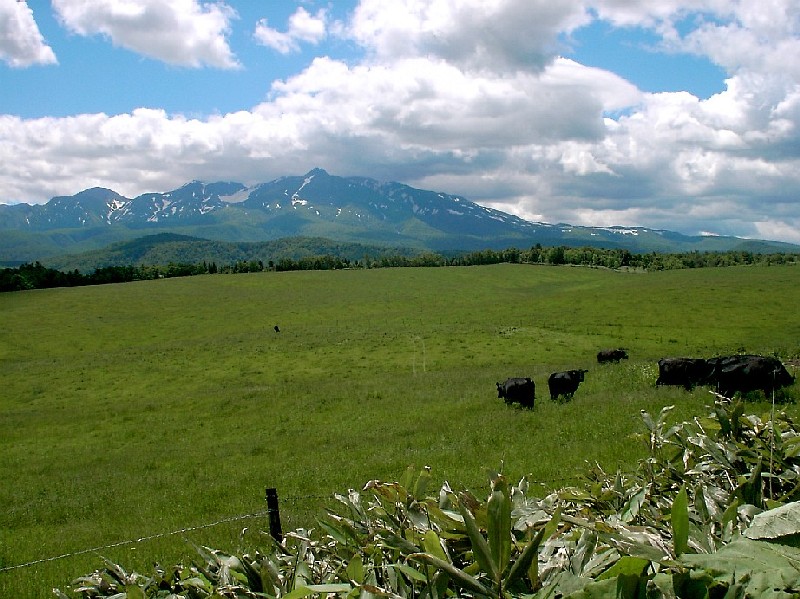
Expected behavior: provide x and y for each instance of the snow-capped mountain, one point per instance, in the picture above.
(316, 204)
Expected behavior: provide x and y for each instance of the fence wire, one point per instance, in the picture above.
(139, 540)
(260, 514)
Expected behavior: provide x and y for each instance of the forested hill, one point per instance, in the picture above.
(169, 248)
(165, 249)
(167, 255)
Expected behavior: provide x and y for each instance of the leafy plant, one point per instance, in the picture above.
(688, 523)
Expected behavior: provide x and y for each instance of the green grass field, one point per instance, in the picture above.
(140, 409)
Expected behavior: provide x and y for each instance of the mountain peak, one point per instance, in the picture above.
(317, 204)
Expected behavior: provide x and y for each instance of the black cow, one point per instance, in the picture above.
(565, 383)
(686, 372)
(749, 373)
(611, 355)
(518, 390)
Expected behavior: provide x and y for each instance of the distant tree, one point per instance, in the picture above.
(556, 255)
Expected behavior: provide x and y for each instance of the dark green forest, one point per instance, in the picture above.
(37, 276)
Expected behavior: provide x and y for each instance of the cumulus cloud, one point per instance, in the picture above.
(21, 42)
(472, 34)
(472, 97)
(180, 32)
(303, 27)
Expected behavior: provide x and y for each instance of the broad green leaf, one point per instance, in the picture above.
(134, 591)
(369, 588)
(661, 586)
(780, 522)
(408, 477)
(745, 555)
(549, 529)
(355, 569)
(662, 416)
(433, 545)
(680, 522)
(750, 491)
(584, 550)
(499, 524)
(302, 574)
(648, 420)
(626, 565)
(341, 534)
(441, 584)
(526, 558)
(791, 447)
(630, 546)
(397, 542)
(574, 494)
(480, 548)
(412, 573)
(314, 589)
(633, 505)
(700, 504)
(459, 576)
(601, 589)
(628, 586)
(732, 511)
(421, 484)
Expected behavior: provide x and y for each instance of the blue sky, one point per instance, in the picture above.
(681, 114)
(94, 75)
(634, 53)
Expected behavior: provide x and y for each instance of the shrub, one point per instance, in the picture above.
(709, 512)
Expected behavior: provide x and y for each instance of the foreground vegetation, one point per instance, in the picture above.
(134, 411)
(690, 522)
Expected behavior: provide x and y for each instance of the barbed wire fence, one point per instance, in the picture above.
(133, 541)
(272, 512)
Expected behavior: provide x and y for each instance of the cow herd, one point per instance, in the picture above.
(727, 375)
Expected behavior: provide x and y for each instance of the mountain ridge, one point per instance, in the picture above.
(317, 205)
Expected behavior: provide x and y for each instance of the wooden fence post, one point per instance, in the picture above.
(274, 515)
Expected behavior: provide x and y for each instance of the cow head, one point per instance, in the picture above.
(782, 377)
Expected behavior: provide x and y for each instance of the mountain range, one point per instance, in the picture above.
(319, 205)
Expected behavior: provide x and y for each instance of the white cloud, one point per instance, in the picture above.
(471, 97)
(303, 27)
(21, 42)
(179, 32)
(472, 34)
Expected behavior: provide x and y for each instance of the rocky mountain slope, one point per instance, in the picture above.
(317, 204)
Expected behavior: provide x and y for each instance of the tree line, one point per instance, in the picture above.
(37, 276)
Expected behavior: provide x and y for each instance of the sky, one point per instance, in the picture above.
(669, 114)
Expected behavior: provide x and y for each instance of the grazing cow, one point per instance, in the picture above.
(686, 372)
(565, 383)
(611, 355)
(749, 373)
(517, 390)
(277, 329)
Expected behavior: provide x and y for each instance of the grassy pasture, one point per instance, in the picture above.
(133, 410)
